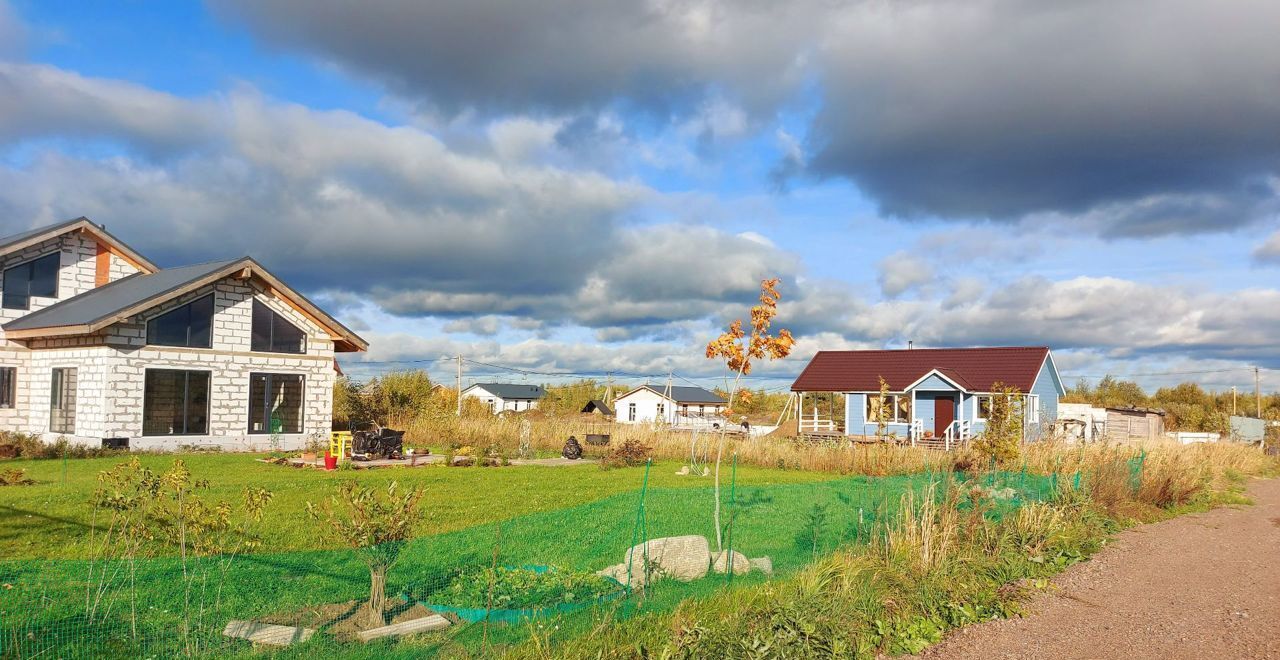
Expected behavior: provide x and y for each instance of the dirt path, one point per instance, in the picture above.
(1199, 586)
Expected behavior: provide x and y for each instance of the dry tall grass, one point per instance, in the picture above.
(1159, 475)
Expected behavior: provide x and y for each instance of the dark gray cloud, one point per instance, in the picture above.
(1268, 252)
(1150, 117)
(1127, 119)
(554, 55)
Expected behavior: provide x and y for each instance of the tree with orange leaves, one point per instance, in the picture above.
(738, 351)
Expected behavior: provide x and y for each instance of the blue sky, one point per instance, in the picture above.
(569, 189)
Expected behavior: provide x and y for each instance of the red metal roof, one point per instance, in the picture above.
(975, 369)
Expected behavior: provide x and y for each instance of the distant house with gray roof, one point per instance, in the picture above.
(98, 342)
(507, 396)
(670, 404)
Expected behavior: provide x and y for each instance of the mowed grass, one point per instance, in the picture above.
(52, 519)
(573, 517)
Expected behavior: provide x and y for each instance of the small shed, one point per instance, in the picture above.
(1134, 424)
(598, 406)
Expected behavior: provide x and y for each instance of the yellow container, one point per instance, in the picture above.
(339, 442)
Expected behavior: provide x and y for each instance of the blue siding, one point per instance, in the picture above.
(1049, 389)
(855, 418)
(855, 413)
(935, 383)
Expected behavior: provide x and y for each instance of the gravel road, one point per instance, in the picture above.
(1201, 586)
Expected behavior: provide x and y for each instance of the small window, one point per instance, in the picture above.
(275, 403)
(662, 411)
(8, 386)
(175, 402)
(62, 400)
(984, 407)
(273, 333)
(190, 325)
(631, 412)
(38, 277)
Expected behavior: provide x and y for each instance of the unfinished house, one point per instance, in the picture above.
(100, 345)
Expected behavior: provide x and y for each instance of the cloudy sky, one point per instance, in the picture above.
(596, 187)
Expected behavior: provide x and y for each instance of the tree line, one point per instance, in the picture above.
(1187, 406)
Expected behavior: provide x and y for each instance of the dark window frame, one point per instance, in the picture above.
(275, 319)
(8, 387)
(151, 341)
(266, 404)
(30, 266)
(186, 401)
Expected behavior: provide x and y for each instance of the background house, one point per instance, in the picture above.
(676, 405)
(507, 396)
(598, 407)
(100, 343)
(942, 392)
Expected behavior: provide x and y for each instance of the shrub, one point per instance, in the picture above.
(15, 478)
(376, 524)
(524, 588)
(1002, 437)
(628, 454)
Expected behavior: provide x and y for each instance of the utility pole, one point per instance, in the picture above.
(608, 393)
(1233, 400)
(1257, 391)
(459, 382)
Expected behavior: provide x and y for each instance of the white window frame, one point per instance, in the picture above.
(631, 412)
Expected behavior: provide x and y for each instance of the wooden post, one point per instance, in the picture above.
(459, 384)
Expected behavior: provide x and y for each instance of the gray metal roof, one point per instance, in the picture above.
(687, 394)
(47, 229)
(512, 390)
(110, 299)
(56, 229)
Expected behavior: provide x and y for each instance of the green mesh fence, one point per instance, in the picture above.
(493, 584)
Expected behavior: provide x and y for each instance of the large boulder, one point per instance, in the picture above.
(684, 558)
(762, 564)
(720, 562)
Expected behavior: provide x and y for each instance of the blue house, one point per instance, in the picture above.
(939, 393)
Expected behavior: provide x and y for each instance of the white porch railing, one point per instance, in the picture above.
(815, 424)
(957, 433)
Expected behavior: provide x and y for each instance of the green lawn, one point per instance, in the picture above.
(578, 517)
(51, 518)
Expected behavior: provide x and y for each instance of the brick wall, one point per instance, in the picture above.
(112, 371)
(76, 274)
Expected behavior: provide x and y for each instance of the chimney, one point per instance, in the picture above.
(909, 343)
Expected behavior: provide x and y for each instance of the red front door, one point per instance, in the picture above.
(944, 412)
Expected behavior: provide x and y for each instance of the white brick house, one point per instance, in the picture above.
(97, 342)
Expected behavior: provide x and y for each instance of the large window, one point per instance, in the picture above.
(274, 333)
(38, 277)
(62, 400)
(190, 325)
(175, 402)
(899, 409)
(8, 386)
(275, 403)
